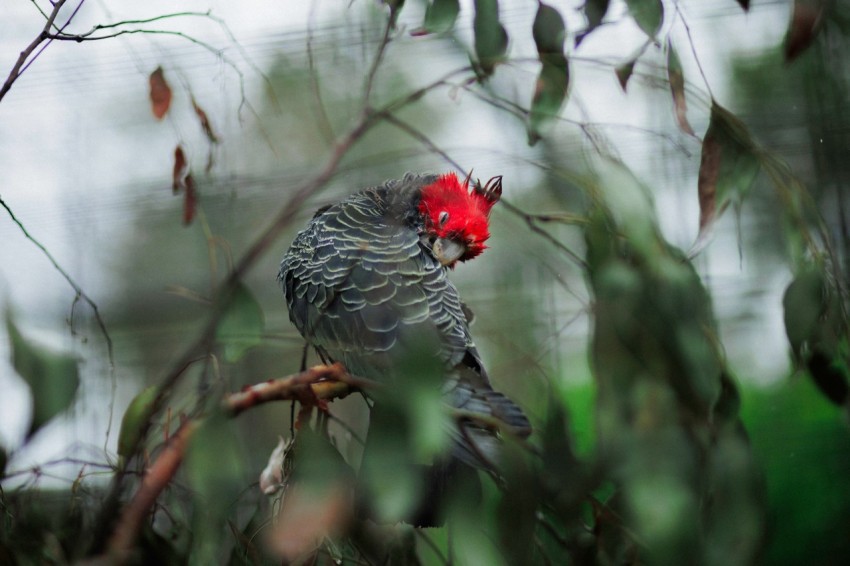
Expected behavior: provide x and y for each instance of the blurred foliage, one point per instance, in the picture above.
(648, 452)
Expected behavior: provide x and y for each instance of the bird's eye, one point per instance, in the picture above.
(443, 218)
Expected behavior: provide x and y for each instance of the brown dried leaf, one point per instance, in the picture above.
(728, 166)
(676, 78)
(190, 201)
(178, 175)
(709, 169)
(160, 93)
(805, 24)
(624, 73)
(308, 516)
(205, 122)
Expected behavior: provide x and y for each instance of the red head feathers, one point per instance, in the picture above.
(452, 211)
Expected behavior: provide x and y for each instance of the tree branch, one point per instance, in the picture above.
(19, 65)
(80, 294)
(310, 387)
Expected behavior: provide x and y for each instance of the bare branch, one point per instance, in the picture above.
(21, 64)
(376, 63)
(80, 294)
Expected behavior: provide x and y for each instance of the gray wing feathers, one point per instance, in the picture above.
(354, 280)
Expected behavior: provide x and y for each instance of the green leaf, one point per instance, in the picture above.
(53, 378)
(728, 165)
(830, 375)
(440, 16)
(804, 304)
(242, 325)
(134, 420)
(552, 84)
(215, 470)
(4, 459)
(550, 91)
(594, 12)
(549, 30)
(676, 77)
(648, 14)
(491, 39)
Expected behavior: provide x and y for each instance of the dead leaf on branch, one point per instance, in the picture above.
(205, 122)
(806, 20)
(676, 78)
(728, 166)
(181, 168)
(190, 201)
(160, 93)
(307, 517)
(624, 73)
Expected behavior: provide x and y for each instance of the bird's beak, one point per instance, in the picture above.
(447, 251)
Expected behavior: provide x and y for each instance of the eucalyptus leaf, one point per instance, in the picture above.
(215, 466)
(803, 303)
(648, 14)
(491, 39)
(552, 84)
(53, 378)
(440, 16)
(134, 419)
(728, 166)
(594, 12)
(676, 78)
(241, 327)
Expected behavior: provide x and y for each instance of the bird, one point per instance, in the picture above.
(367, 282)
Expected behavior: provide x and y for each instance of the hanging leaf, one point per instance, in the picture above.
(178, 175)
(829, 375)
(133, 421)
(728, 166)
(745, 4)
(549, 30)
(624, 73)
(550, 90)
(53, 378)
(648, 14)
(804, 304)
(160, 94)
(4, 459)
(190, 200)
(440, 16)
(677, 87)
(242, 325)
(491, 39)
(395, 8)
(205, 122)
(594, 12)
(806, 20)
(215, 467)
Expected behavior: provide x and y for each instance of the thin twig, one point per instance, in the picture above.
(376, 62)
(80, 294)
(693, 48)
(322, 116)
(18, 67)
